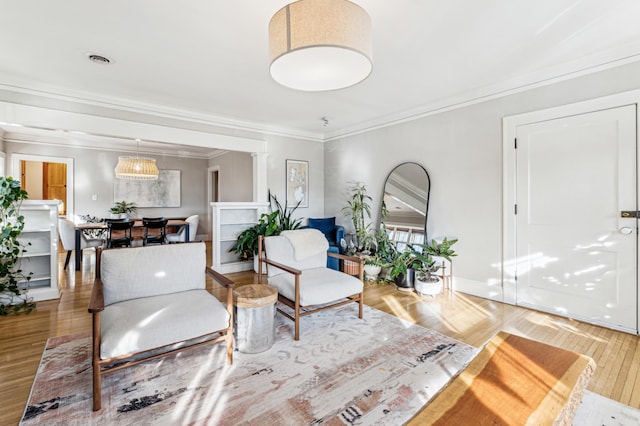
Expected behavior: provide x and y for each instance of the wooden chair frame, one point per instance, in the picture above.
(298, 311)
(104, 366)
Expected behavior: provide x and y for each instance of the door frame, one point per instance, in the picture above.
(15, 171)
(510, 125)
(210, 182)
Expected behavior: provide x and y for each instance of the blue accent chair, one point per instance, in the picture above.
(333, 233)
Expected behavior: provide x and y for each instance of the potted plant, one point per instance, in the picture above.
(280, 219)
(372, 267)
(441, 253)
(404, 266)
(123, 209)
(246, 245)
(13, 296)
(425, 282)
(359, 209)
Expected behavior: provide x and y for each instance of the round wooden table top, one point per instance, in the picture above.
(255, 296)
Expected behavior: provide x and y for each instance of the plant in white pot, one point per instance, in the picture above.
(372, 268)
(425, 282)
(441, 252)
(123, 209)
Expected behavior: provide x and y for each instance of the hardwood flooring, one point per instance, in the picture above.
(467, 318)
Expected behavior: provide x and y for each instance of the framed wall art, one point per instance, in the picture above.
(297, 183)
(164, 192)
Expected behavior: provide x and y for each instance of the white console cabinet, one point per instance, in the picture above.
(40, 239)
(229, 220)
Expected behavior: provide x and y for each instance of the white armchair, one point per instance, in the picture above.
(152, 301)
(67, 231)
(179, 237)
(296, 263)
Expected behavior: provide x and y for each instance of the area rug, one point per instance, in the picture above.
(343, 370)
(596, 410)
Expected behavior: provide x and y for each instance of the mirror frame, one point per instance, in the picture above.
(426, 215)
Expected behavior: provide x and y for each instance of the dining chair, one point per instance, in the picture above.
(155, 230)
(67, 232)
(122, 236)
(179, 237)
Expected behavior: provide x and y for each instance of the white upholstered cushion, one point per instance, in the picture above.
(306, 242)
(317, 285)
(131, 273)
(142, 324)
(279, 249)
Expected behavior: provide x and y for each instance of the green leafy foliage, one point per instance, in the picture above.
(120, 207)
(13, 298)
(359, 209)
(442, 249)
(280, 219)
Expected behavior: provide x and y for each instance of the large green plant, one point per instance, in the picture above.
(280, 219)
(412, 259)
(247, 243)
(359, 209)
(286, 220)
(13, 298)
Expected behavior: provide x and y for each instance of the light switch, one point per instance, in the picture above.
(94, 197)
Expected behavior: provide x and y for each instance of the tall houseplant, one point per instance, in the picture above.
(359, 209)
(13, 298)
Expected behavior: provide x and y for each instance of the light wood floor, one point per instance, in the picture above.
(469, 319)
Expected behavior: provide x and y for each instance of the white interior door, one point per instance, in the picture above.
(577, 254)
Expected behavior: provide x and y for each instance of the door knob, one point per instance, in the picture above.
(625, 230)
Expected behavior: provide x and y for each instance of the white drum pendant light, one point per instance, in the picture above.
(317, 45)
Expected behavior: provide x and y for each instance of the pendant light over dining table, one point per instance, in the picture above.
(137, 168)
(318, 45)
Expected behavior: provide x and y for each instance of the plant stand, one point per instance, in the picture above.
(445, 271)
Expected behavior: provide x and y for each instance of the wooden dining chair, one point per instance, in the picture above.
(155, 230)
(122, 237)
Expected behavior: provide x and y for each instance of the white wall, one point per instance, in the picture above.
(462, 152)
(281, 149)
(235, 175)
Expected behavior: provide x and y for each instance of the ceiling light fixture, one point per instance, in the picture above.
(317, 45)
(98, 59)
(137, 168)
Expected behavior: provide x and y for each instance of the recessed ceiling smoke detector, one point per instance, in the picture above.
(98, 59)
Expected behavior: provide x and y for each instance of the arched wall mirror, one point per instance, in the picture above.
(406, 197)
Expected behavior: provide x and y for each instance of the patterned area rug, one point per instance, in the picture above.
(596, 410)
(379, 370)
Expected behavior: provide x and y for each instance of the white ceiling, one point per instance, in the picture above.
(208, 60)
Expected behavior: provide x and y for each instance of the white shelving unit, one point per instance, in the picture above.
(229, 220)
(40, 238)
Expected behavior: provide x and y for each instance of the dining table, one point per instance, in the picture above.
(81, 227)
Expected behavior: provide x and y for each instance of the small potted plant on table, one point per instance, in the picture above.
(123, 209)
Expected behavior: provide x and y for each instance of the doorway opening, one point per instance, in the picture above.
(46, 178)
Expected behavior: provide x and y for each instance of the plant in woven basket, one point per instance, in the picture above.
(13, 294)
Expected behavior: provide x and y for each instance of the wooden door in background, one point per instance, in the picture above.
(54, 183)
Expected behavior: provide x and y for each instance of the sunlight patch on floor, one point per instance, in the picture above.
(397, 309)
